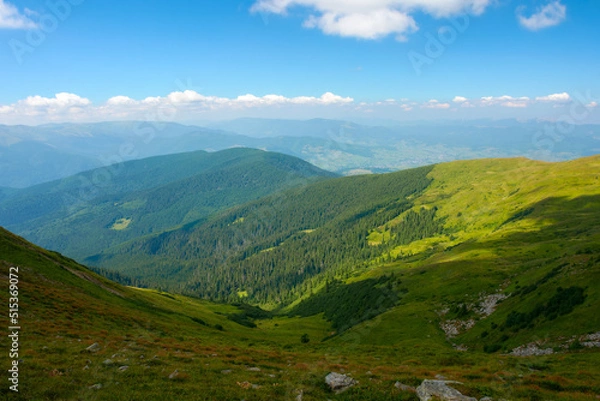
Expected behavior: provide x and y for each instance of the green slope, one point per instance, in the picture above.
(65, 308)
(470, 229)
(271, 249)
(87, 213)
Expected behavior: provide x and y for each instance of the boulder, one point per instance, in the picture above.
(440, 389)
(339, 382)
(93, 348)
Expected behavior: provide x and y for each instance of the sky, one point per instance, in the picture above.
(191, 61)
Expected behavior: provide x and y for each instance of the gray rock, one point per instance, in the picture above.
(96, 386)
(93, 348)
(174, 374)
(339, 382)
(253, 369)
(123, 368)
(108, 362)
(404, 387)
(487, 399)
(531, 349)
(440, 389)
(226, 371)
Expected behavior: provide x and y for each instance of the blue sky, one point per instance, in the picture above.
(89, 60)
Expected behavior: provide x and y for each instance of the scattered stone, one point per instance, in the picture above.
(272, 376)
(591, 340)
(488, 304)
(93, 348)
(141, 356)
(452, 328)
(108, 362)
(404, 387)
(226, 371)
(531, 349)
(369, 373)
(174, 374)
(299, 396)
(439, 388)
(88, 362)
(86, 367)
(245, 385)
(339, 382)
(440, 377)
(253, 369)
(123, 368)
(487, 399)
(96, 386)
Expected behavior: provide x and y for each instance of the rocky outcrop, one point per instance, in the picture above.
(452, 328)
(338, 382)
(440, 389)
(531, 349)
(591, 340)
(487, 304)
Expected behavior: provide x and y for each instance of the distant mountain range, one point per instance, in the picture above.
(33, 155)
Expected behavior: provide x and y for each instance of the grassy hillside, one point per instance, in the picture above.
(86, 213)
(155, 345)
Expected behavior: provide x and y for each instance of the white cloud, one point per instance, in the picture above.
(505, 101)
(11, 18)
(59, 101)
(459, 99)
(556, 97)
(373, 25)
(370, 19)
(591, 105)
(71, 107)
(120, 101)
(435, 104)
(550, 15)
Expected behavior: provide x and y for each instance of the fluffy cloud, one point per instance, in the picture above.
(505, 101)
(459, 99)
(11, 18)
(370, 19)
(556, 97)
(550, 15)
(70, 107)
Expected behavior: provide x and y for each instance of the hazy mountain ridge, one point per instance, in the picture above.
(32, 155)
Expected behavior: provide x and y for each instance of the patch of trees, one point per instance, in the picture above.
(561, 303)
(345, 305)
